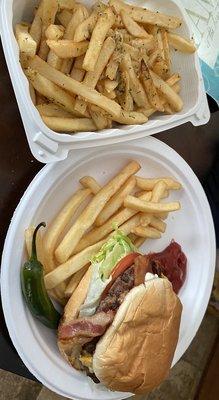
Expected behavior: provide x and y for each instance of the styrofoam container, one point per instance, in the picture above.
(192, 227)
(48, 146)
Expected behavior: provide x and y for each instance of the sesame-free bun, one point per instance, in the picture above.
(136, 352)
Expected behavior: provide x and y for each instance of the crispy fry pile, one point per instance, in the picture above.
(91, 68)
(87, 220)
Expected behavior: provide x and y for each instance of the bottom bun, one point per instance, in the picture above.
(136, 352)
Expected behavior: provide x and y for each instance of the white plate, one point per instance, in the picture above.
(192, 227)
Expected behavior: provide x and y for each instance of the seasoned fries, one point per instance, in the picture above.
(69, 124)
(118, 53)
(25, 41)
(54, 32)
(180, 43)
(145, 16)
(51, 91)
(48, 14)
(104, 23)
(67, 48)
(74, 87)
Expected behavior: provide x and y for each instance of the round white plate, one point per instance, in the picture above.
(192, 227)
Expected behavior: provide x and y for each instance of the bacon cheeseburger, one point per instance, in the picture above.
(121, 324)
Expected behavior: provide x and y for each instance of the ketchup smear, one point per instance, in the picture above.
(173, 264)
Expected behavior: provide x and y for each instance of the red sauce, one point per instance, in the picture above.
(173, 263)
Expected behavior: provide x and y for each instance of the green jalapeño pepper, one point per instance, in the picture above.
(34, 291)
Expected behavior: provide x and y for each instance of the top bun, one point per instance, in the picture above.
(136, 352)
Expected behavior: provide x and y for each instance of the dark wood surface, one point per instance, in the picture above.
(197, 145)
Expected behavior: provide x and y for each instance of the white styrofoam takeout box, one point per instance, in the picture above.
(48, 146)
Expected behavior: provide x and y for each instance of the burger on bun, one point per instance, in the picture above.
(121, 324)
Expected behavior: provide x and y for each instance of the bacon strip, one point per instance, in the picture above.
(89, 327)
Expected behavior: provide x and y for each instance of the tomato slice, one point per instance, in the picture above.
(122, 265)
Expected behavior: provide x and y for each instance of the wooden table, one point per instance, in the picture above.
(197, 145)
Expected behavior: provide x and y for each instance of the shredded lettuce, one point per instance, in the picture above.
(117, 247)
(102, 264)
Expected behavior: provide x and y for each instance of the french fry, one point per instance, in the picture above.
(91, 78)
(66, 4)
(173, 79)
(85, 29)
(130, 118)
(51, 91)
(98, 118)
(99, 233)
(77, 74)
(40, 99)
(145, 16)
(173, 98)
(146, 232)
(132, 27)
(126, 99)
(26, 43)
(158, 191)
(54, 32)
(150, 88)
(152, 58)
(112, 68)
(59, 124)
(60, 222)
(78, 16)
(149, 183)
(144, 206)
(74, 87)
(115, 202)
(133, 51)
(158, 224)
(137, 90)
(166, 50)
(54, 60)
(77, 71)
(145, 219)
(64, 17)
(180, 43)
(67, 48)
(104, 23)
(52, 110)
(75, 280)
(32, 93)
(89, 215)
(79, 295)
(160, 67)
(160, 43)
(49, 11)
(139, 241)
(110, 85)
(70, 267)
(36, 26)
(143, 44)
(90, 183)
